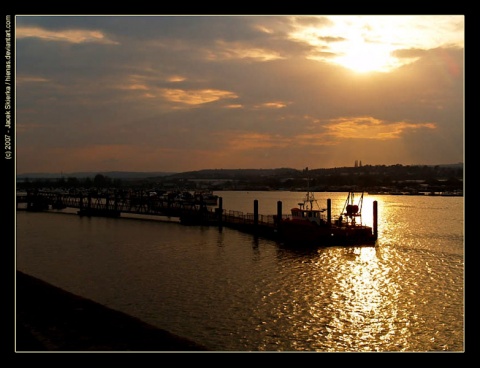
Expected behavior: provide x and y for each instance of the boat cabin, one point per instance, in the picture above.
(311, 215)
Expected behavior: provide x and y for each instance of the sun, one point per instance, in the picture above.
(364, 58)
(363, 43)
(352, 51)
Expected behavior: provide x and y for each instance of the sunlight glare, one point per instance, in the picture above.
(368, 43)
(364, 58)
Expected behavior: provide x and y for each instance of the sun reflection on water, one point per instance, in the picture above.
(359, 298)
(355, 307)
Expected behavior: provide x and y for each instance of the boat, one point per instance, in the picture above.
(206, 197)
(309, 224)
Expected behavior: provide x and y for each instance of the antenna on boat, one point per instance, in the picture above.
(309, 197)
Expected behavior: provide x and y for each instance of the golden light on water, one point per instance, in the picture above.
(358, 299)
(362, 296)
(358, 293)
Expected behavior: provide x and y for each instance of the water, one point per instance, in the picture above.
(232, 292)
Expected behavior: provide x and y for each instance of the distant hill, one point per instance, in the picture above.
(229, 174)
(81, 175)
(458, 165)
(234, 173)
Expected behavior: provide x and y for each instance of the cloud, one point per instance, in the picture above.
(313, 21)
(71, 36)
(371, 128)
(135, 86)
(196, 97)
(413, 53)
(229, 51)
(271, 105)
(30, 79)
(176, 78)
(366, 43)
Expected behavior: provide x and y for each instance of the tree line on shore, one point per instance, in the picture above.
(395, 177)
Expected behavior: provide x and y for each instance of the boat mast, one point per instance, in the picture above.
(309, 197)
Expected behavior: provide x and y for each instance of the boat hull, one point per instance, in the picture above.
(327, 235)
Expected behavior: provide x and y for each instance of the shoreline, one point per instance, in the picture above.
(51, 319)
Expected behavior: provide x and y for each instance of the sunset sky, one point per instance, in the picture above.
(181, 93)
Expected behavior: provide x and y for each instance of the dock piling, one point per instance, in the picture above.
(279, 214)
(329, 211)
(255, 214)
(220, 211)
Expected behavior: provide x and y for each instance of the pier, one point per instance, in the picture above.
(189, 212)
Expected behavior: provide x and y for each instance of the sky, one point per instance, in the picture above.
(184, 93)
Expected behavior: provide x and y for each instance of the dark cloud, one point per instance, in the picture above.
(409, 53)
(147, 27)
(310, 21)
(329, 39)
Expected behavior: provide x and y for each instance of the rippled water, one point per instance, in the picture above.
(233, 292)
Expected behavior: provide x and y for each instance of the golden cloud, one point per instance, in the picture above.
(31, 79)
(196, 97)
(176, 78)
(236, 50)
(371, 128)
(272, 105)
(72, 36)
(135, 86)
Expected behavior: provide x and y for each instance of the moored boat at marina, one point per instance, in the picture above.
(309, 224)
(206, 197)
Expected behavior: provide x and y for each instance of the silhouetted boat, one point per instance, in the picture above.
(206, 197)
(311, 225)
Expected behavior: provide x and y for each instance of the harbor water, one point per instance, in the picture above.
(232, 291)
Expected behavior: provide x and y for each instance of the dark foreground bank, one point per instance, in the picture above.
(51, 319)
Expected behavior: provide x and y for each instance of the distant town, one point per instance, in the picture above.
(379, 179)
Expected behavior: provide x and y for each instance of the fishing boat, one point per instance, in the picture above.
(309, 224)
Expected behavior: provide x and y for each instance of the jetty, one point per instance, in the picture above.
(189, 212)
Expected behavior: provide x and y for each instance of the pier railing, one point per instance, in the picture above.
(247, 218)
